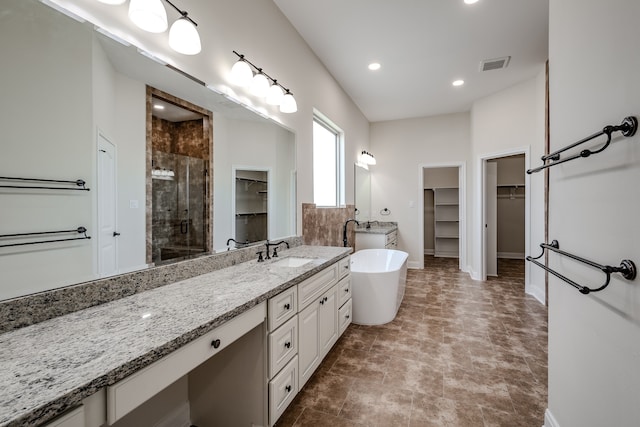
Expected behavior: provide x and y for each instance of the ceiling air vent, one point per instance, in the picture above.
(494, 64)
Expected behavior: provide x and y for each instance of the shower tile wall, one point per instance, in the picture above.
(179, 147)
(323, 226)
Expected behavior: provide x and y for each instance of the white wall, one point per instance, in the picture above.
(37, 125)
(401, 147)
(594, 340)
(253, 145)
(512, 119)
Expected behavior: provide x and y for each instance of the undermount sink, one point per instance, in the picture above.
(292, 262)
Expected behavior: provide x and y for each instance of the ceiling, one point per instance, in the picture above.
(422, 46)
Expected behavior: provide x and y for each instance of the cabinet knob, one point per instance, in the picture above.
(215, 343)
(346, 290)
(288, 388)
(287, 306)
(287, 344)
(347, 316)
(322, 301)
(325, 299)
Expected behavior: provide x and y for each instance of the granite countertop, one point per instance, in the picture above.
(49, 367)
(376, 227)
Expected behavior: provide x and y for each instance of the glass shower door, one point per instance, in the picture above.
(178, 215)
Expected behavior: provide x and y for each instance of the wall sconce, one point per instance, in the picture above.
(367, 158)
(263, 85)
(151, 16)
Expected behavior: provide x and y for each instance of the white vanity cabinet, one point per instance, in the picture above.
(74, 418)
(377, 240)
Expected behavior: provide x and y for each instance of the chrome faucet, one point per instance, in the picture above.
(344, 231)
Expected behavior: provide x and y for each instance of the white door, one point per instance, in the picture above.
(491, 218)
(107, 234)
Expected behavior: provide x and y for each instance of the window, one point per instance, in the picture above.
(328, 164)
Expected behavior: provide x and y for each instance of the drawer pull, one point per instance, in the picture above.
(215, 343)
(287, 306)
(347, 316)
(287, 344)
(323, 300)
(346, 290)
(346, 267)
(288, 388)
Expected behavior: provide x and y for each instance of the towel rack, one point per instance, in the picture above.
(627, 268)
(79, 230)
(78, 184)
(628, 128)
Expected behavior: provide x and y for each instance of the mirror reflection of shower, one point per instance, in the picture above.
(251, 210)
(179, 171)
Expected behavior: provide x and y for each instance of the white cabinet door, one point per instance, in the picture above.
(328, 321)
(308, 342)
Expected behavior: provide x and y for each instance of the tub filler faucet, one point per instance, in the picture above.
(344, 231)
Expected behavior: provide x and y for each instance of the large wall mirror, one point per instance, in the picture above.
(362, 180)
(74, 106)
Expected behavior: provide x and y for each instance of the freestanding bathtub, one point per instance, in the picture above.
(378, 279)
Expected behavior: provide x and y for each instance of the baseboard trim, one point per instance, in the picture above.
(549, 420)
(414, 265)
(511, 255)
(429, 251)
(536, 292)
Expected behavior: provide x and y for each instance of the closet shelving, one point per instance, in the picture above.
(446, 226)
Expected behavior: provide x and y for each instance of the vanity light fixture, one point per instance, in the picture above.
(151, 16)
(367, 158)
(470, 1)
(276, 94)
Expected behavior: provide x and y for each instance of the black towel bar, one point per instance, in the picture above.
(628, 128)
(78, 183)
(627, 268)
(79, 230)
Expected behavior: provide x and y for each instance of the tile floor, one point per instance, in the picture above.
(459, 353)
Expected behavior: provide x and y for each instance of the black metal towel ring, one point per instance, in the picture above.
(627, 268)
(628, 128)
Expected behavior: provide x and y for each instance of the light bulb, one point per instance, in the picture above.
(259, 85)
(289, 104)
(148, 15)
(184, 37)
(113, 2)
(241, 73)
(275, 94)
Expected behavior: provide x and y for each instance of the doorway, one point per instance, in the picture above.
(442, 212)
(505, 211)
(251, 207)
(179, 146)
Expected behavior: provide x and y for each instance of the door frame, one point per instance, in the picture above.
(462, 208)
(480, 247)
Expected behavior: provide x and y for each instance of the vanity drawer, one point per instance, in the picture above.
(392, 245)
(282, 307)
(282, 389)
(131, 392)
(344, 290)
(391, 237)
(315, 285)
(283, 345)
(344, 316)
(75, 418)
(344, 267)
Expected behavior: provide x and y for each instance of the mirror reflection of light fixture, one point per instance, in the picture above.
(367, 158)
(276, 94)
(148, 15)
(362, 165)
(113, 2)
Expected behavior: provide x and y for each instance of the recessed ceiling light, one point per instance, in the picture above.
(470, 1)
(374, 66)
(158, 107)
(458, 82)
